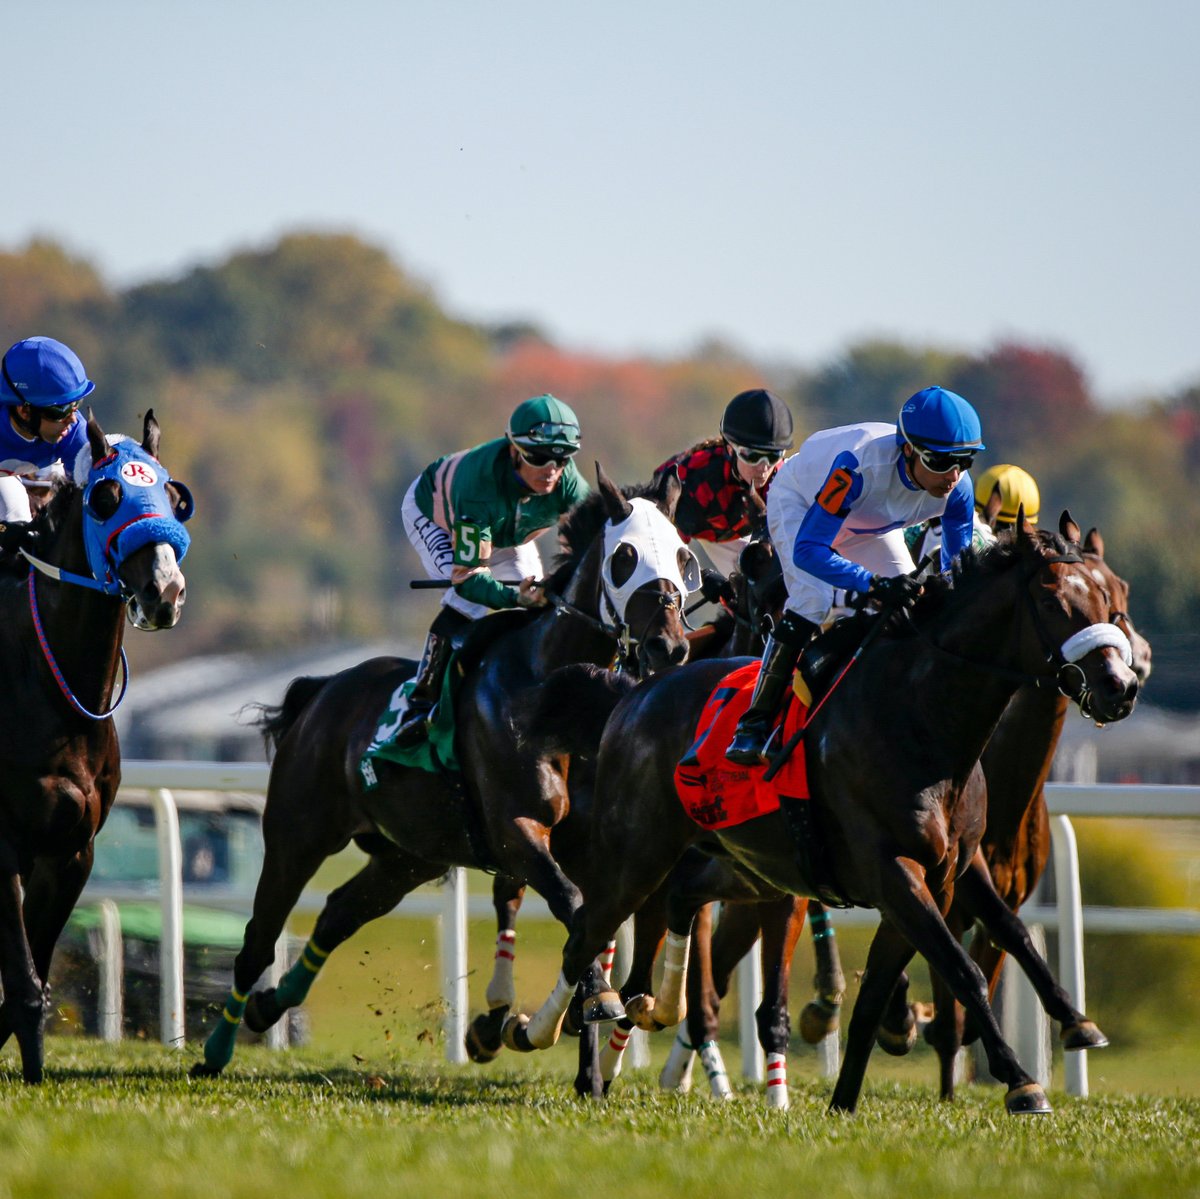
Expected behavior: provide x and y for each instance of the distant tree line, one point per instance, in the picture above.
(302, 386)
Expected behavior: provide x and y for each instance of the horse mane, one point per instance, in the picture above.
(579, 527)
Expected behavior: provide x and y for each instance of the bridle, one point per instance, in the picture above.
(1066, 675)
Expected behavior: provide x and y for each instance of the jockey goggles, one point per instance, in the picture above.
(542, 458)
(56, 412)
(755, 457)
(941, 463)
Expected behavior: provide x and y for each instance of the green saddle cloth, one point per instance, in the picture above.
(435, 751)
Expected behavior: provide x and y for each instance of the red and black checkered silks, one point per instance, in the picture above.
(715, 504)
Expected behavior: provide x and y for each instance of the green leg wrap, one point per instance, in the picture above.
(218, 1049)
(293, 986)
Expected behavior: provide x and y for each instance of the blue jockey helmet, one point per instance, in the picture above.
(939, 420)
(44, 373)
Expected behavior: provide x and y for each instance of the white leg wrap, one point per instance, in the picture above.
(777, 1087)
(677, 1073)
(501, 990)
(546, 1023)
(714, 1067)
(671, 1005)
(606, 960)
(612, 1052)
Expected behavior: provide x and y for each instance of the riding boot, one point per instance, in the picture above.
(426, 688)
(782, 652)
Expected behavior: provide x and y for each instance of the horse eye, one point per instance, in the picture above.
(104, 500)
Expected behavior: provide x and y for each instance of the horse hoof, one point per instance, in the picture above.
(603, 1008)
(817, 1021)
(204, 1070)
(641, 1011)
(1029, 1100)
(896, 1043)
(1084, 1035)
(516, 1033)
(484, 1038)
(263, 1010)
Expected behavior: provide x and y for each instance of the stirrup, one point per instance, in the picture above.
(749, 745)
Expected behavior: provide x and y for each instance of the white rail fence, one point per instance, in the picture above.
(453, 906)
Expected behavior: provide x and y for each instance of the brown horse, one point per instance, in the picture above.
(507, 809)
(103, 543)
(1012, 856)
(900, 824)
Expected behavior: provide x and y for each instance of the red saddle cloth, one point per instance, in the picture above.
(717, 793)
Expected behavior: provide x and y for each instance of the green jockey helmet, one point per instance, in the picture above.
(544, 423)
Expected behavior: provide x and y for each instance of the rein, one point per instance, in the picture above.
(54, 668)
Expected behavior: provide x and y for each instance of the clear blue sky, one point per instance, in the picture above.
(634, 177)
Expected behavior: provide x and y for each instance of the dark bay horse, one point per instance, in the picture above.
(1013, 854)
(900, 823)
(108, 539)
(507, 810)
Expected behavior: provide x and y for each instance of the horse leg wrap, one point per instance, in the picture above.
(677, 1072)
(501, 990)
(294, 985)
(672, 1001)
(606, 960)
(714, 1067)
(777, 1086)
(612, 1052)
(218, 1049)
(546, 1023)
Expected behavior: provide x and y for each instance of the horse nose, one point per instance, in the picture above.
(679, 653)
(662, 651)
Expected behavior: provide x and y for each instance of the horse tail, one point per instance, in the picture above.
(568, 712)
(274, 721)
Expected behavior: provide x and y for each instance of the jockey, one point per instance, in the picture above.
(725, 479)
(837, 515)
(41, 427)
(472, 517)
(1016, 487)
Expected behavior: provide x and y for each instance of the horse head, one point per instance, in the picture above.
(133, 514)
(647, 572)
(1070, 616)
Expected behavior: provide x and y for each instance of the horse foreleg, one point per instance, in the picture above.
(820, 1017)
(908, 905)
(897, 1032)
(1007, 930)
(26, 998)
(945, 1033)
(782, 924)
(483, 1039)
(703, 1008)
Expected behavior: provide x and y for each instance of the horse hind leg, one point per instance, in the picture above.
(484, 1038)
(821, 1015)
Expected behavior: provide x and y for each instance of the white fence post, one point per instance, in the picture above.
(749, 976)
(110, 1001)
(170, 945)
(1070, 940)
(452, 934)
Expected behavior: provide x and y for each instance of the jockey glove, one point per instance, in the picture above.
(17, 535)
(900, 591)
(715, 587)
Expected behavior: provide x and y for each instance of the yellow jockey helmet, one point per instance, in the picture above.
(1016, 488)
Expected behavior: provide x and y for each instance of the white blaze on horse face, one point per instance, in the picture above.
(167, 577)
(657, 543)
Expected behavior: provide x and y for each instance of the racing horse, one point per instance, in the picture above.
(1012, 856)
(899, 824)
(108, 539)
(506, 809)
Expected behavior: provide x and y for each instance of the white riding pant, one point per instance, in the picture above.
(810, 597)
(723, 554)
(14, 500)
(435, 548)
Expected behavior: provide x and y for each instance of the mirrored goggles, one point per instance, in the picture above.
(56, 412)
(941, 463)
(755, 457)
(542, 458)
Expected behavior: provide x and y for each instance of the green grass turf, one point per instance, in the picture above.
(119, 1121)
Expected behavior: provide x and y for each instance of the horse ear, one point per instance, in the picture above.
(1068, 528)
(96, 439)
(992, 508)
(669, 491)
(151, 434)
(615, 504)
(1026, 533)
(1093, 543)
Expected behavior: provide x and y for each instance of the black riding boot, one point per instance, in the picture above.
(427, 688)
(782, 652)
